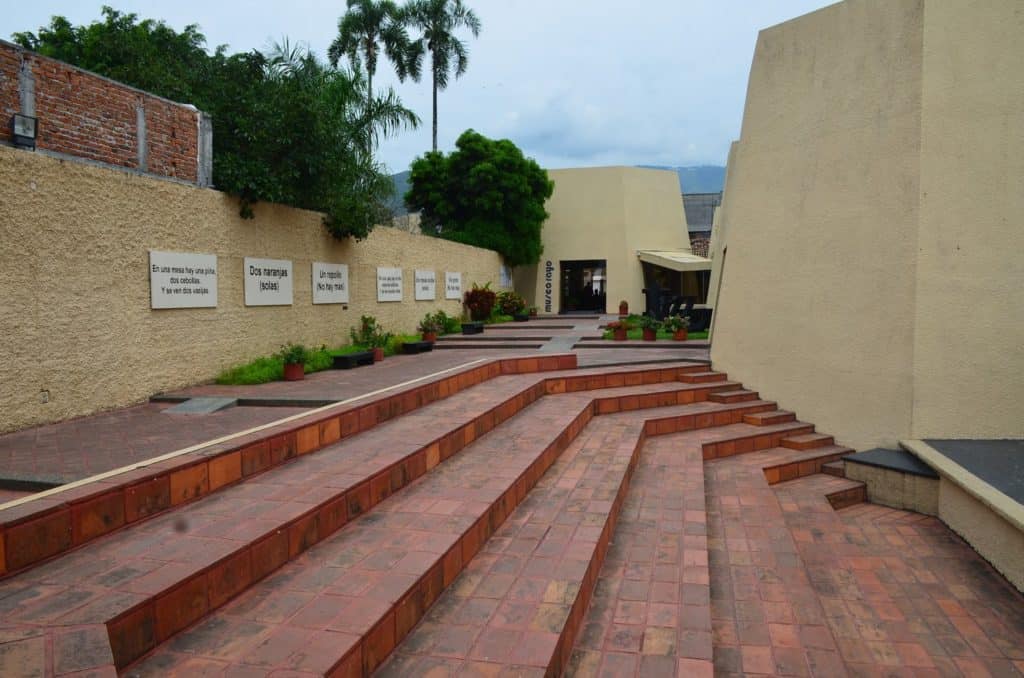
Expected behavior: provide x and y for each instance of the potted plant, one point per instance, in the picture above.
(650, 327)
(294, 357)
(677, 325)
(623, 307)
(480, 301)
(533, 311)
(510, 303)
(371, 335)
(429, 327)
(619, 329)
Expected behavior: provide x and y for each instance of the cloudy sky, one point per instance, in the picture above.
(574, 83)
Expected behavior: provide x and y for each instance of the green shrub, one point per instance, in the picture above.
(369, 333)
(510, 303)
(480, 301)
(293, 354)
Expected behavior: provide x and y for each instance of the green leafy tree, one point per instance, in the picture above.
(367, 27)
(289, 128)
(438, 20)
(485, 193)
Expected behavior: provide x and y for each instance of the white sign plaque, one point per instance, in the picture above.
(426, 285)
(268, 282)
(452, 285)
(389, 284)
(182, 280)
(330, 283)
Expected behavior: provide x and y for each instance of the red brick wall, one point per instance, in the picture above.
(86, 116)
(9, 101)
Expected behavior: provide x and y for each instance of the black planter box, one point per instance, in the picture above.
(412, 347)
(473, 328)
(521, 317)
(347, 362)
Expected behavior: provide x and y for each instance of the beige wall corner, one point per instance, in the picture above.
(606, 213)
(76, 301)
(871, 222)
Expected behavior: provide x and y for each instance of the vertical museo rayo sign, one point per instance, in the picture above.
(549, 272)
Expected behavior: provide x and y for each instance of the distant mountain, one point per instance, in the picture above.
(698, 179)
(401, 181)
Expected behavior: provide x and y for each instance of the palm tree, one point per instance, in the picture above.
(439, 19)
(367, 26)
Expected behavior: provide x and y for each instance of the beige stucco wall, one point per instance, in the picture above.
(995, 538)
(815, 308)
(897, 489)
(969, 340)
(75, 308)
(871, 219)
(607, 213)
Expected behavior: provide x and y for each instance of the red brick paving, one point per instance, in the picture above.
(349, 593)
(800, 589)
(81, 447)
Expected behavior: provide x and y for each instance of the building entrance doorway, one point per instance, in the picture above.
(584, 286)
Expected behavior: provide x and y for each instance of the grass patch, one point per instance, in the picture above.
(267, 369)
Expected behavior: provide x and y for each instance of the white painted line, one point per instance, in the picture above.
(227, 438)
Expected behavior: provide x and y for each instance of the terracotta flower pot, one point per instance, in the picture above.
(378, 354)
(650, 335)
(679, 335)
(294, 372)
(619, 335)
(430, 336)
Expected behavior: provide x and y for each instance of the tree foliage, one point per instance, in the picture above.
(288, 128)
(438, 20)
(485, 193)
(367, 27)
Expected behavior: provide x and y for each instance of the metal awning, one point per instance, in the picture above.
(676, 260)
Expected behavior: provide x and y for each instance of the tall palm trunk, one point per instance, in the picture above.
(434, 74)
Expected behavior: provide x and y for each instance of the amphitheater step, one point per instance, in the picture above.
(733, 396)
(767, 418)
(808, 441)
(698, 377)
(148, 581)
(518, 606)
(840, 492)
(744, 438)
(356, 568)
(834, 468)
(800, 463)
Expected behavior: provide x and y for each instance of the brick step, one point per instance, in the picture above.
(489, 491)
(743, 438)
(840, 492)
(650, 614)
(698, 377)
(734, 396)
(518, 606)
(69, 517)
(44, 527)
(768, 418)
(834, 468)
(797, 464)
(498, 344)
(808, 441)
(183, 576)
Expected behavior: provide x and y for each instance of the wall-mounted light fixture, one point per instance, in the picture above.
(24, 129)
